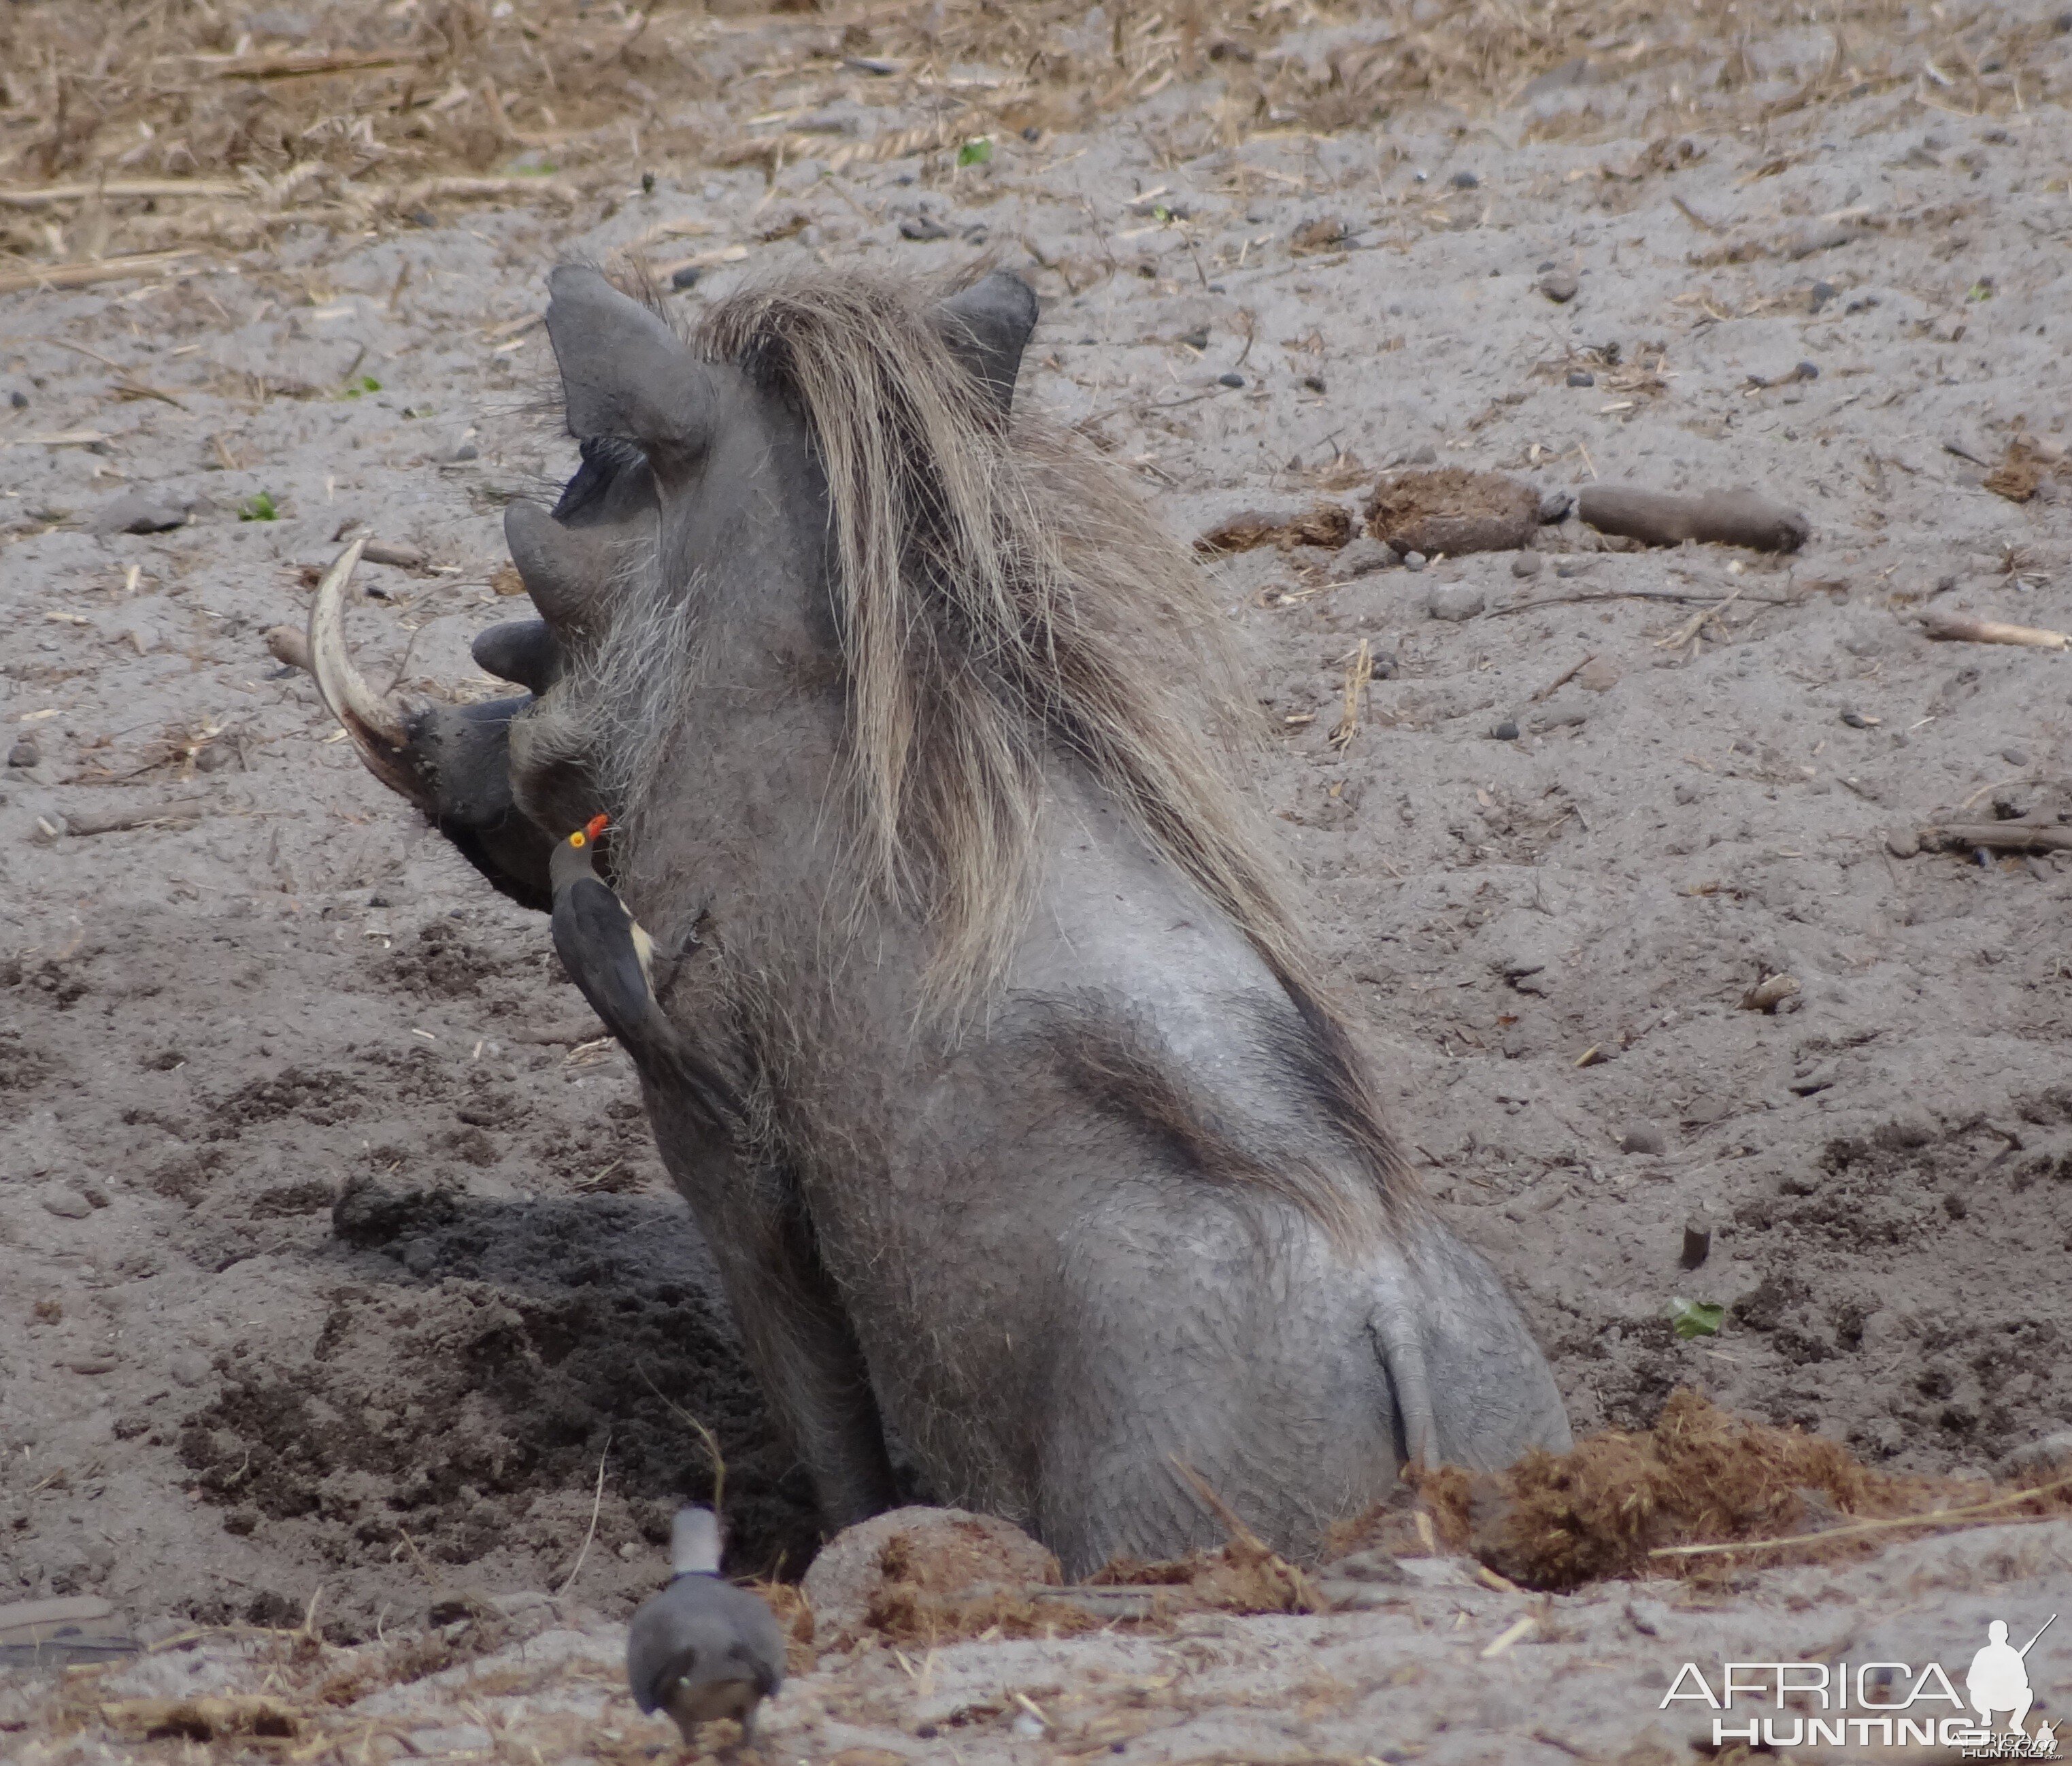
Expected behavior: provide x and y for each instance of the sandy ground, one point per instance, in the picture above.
(333, 1253)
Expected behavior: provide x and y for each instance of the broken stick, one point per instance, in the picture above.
(1962, 628)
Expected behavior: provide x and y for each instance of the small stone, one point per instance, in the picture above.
(1581, 376)
(467, 451)
(1385, 665)
(1413, 561)
(1649, 1618)
(2047, 1456)
(1454, 602)
(1855, 720)
(213, 757)
(1597, 676)
(25, 752)
(686, 278)
(1554, 506)
(922, 227)
(1424, 455)
(1560, 285)
(19, 400)
(1687, 791)
(1525, 564)
(63, 1201)
(139, 511)
(1643, 1138)
(189, 1367)
(1505, 731)
(1821, 293)
(2015, 757)
(1465, 180)
(1232, 379)
(1361, 558)
(1901, 844)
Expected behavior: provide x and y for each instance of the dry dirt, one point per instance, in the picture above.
(333, 1253)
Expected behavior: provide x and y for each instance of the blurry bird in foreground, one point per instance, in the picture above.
(703, 1649)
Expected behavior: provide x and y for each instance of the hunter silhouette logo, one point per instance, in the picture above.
(1878, 1704)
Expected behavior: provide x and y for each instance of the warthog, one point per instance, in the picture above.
(1054, 1164)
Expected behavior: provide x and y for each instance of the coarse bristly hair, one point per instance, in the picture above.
(997, 589)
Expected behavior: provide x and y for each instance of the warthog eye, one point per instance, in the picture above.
(604, 458)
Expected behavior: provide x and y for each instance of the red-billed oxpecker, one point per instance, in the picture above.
(609, 955)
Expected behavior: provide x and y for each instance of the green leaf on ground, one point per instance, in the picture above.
(1691, 1318)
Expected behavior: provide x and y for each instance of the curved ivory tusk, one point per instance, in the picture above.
(375, 723)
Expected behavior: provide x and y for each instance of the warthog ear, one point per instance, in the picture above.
(565, 569)
(624, 373)
(988, 325)
(524, 651)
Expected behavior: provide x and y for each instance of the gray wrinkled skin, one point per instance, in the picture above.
(965, 1230)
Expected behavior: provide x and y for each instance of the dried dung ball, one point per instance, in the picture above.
(1453, 510)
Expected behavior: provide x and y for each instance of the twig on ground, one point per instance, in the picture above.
(1961, 629)
(1641, 595)
(597, 1503)
(1563, 679)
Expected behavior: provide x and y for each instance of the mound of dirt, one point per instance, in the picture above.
(1455, 511)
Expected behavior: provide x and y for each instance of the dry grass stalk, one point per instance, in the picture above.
(1358, 672)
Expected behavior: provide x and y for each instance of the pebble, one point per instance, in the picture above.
(2015, 757)
(1597, 676)
(1855, 720)
(1426, 455)
(1505, 731)
(1454, 601)
(190, 1367)
(1413, 561)
(1361, 558)
(1822, 293)
(25, 752)
(1554, 507)
(1230, 379)
(1901, 844)
(138, 511)
(1465, 180)
(1525, 564)
(1385, 665)
(66, 1203)
(1581, 376)
(686, 278)
(1560, 285)
(1196, 339)
(213, 757)
(922, 227)
(1642, 1137)
(1687, 791)
(2048, 1455)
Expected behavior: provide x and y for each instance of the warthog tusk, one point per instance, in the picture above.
(374, 722)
